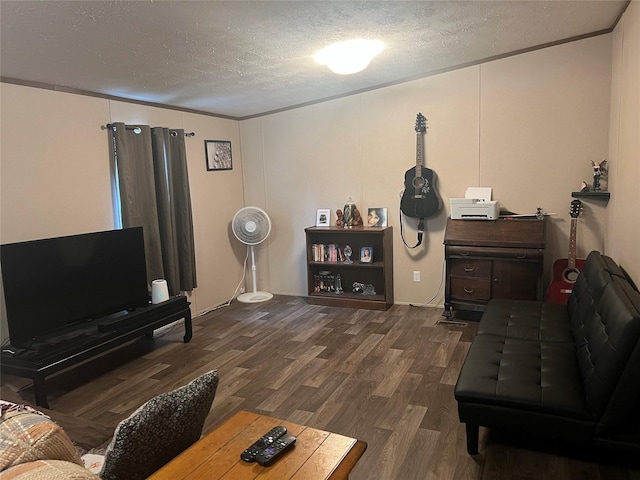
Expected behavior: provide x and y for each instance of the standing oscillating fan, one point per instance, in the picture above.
(251, 225)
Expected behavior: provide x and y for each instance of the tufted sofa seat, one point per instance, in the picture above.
(566, 373)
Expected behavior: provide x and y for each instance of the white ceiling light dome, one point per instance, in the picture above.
(351, 56)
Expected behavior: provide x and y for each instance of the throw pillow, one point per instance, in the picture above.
(159, 430)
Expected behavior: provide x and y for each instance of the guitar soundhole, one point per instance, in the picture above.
(571, 275)
(418, 182)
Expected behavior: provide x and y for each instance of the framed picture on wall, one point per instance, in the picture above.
(323, 217)
(218, 155)
(377, 217)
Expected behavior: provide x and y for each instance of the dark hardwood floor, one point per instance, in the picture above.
(384, 377)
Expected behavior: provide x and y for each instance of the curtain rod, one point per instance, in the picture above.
(131, 127)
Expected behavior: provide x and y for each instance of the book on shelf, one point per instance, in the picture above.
(327, 252)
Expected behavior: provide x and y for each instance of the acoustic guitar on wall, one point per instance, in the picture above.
(419, 198)
(566, 270)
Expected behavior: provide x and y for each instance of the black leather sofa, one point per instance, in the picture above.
(565, 373)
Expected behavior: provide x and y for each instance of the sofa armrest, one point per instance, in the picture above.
(26, 437)
(48, 470)
(86, 434)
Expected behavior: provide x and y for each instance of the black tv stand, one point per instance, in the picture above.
(50, 355)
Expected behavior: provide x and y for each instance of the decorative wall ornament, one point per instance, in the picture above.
(218, 155)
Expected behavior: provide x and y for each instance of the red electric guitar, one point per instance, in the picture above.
(566, 270)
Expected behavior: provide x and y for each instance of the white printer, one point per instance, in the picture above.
(476, 205)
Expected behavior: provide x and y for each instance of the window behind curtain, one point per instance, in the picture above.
(151, 189)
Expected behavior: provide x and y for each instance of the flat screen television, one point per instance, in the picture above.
(54, 283)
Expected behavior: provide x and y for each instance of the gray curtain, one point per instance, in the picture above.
(153, 184)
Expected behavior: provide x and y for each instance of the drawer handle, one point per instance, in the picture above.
(521, 255)
(464, 253)
(468, 290)
(469, 269)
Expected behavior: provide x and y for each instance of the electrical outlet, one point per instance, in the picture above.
(416, 275)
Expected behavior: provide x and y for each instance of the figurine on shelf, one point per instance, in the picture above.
(599, 171)
(340, 220)
(349, 212)
(369, 290)
(364, 289)
(347, 254)
(357, 218)
(338, 288)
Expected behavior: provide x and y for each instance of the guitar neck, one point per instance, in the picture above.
(571, 261)
(419, 148)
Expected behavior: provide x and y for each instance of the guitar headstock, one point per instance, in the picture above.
(421, 123)
(576, 208)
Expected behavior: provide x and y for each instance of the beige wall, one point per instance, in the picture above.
(55, 176)
(527, 125)
(623, 219)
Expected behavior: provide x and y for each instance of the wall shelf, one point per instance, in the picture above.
(594, 195)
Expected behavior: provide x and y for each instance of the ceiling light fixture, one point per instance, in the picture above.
(352, 56)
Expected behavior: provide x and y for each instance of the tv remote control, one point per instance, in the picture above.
(267, 440)
(268, 455)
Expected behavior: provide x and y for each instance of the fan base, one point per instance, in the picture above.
(254, 297)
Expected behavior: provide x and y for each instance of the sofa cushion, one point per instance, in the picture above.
(26, 436)
(612, 267)
(526, 320)
(588, 289)
(607, 351)
(532, 376)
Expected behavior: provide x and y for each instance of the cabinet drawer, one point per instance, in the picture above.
(496, 252)
(471, 288)
(471, 268)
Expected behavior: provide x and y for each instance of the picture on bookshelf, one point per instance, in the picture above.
(323, 217)
(377, 217)
(366, 255)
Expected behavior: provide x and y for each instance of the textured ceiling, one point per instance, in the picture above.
(246, 58)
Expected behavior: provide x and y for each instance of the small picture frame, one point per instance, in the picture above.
(366, 255)
(218, 155)
(377, 217)
(323, 217)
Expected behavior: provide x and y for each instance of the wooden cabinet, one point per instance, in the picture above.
(492, 259)
(326, 263)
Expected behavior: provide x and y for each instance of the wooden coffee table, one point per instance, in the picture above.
(316, 455)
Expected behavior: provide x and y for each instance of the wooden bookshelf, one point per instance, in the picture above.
(323, 266)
